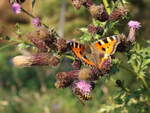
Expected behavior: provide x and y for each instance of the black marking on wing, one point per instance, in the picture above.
(103, 49)
(111, 38)
(105, 40)
(99, 43)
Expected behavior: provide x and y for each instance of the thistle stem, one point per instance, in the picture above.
(32, 16)
(107, 6)
(8, 45)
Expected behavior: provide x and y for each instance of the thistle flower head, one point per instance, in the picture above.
(134, 24)
(84, 86)
(82, 89)
(36, 22)
(16, 8)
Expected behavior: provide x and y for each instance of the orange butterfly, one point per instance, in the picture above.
(97, 53)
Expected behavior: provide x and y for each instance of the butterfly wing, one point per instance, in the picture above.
(80, 52)
(107, 45)
(104, 48)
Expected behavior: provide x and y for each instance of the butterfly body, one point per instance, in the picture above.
(96, 54)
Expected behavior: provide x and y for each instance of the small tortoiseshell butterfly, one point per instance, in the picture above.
(97, 53)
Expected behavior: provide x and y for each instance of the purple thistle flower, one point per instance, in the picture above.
(36, 22)
(134, 24)
(82, 89)
(84, 86)
(16, 8)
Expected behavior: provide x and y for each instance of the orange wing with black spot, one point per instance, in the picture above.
(79, 50)
(107, 45)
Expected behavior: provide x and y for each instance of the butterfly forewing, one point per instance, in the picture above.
(107, 45)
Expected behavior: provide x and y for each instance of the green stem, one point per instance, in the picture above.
(8, 45)
(107, 6)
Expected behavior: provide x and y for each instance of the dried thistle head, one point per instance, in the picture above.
(76, 64)
(95, 29)
(35, 60)
(43, 39)
(64, 79)
(88, 3)
(78, 3)
(124, 45)
(118, 14)
(22, 61)
(61, 45)
(54, 61)
(99, 12)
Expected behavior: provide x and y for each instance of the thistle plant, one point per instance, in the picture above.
(47, 48)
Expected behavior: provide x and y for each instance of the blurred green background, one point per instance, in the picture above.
(31, 90)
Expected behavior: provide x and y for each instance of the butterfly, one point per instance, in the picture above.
(98, 53)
